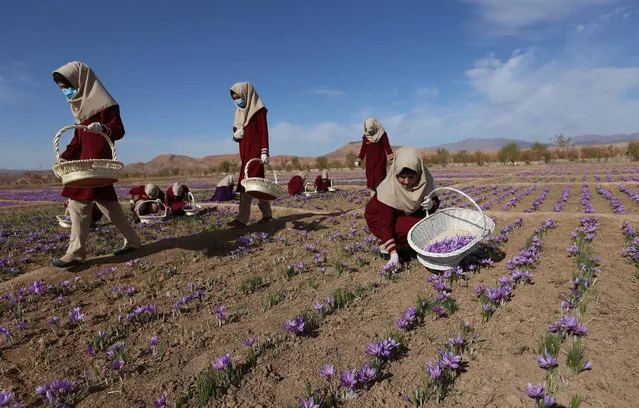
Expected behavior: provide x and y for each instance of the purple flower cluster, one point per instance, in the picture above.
(513, 201)
(220, 315)
(539, 200)
(502, 237)
(295, 326)
(451, 244)
(632, 238)
(75, 317)
(585, 199)
(383, 349)
(197, 294)
(617, 205)
(57, 393)
(5, 400)
(568, 325)
(222, 363)
(632, 194)
(407, 320)
(542, 400)
(562, 200)
(142, 313)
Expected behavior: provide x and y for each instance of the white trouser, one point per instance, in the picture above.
(245, 208)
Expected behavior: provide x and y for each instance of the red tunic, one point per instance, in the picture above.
(375, 154)
(87, 145)
(253, 145)
(391, 226)
(140, 194)
(295, 185)
(174, 202)
(321, 185)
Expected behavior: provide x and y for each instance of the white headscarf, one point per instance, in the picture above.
(246, 91)
(92, 97)
(152, 191)
(178, 190)
(303, 174)
(227, 181)
(324, 174)
(392, 193)
(372, 123)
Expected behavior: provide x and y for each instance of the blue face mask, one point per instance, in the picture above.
(69, 92)
(371, 132)
(240, 102)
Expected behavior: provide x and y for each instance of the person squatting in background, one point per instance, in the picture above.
(176, 198)
(224, 189)
(296, 183)
(322, 182)
(400, 202)
(140, 197)
(375, 148)
(250, 131)
(92, 106)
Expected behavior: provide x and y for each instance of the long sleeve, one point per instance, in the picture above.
(262, 128)
(318, 182)
(380, 219)
(110, 117)
(234, 139)
(362, 150)
(137, 191)
(387, 147)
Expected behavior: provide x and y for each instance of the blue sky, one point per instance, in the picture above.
(432, 71)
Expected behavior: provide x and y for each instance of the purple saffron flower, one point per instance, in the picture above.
(75, 316)
(308, 404)
(547, 361)
(366, 373)
(221, 363)
(434, 370)
(117, 364)
(5, 398)
(349, 379)
(160, 402)
(154, 341)
(374, 349)
(549, 401)
(249, 341)
(449, 360)
(318, 306)
(535, 391)
(587, 366)
(327, 371)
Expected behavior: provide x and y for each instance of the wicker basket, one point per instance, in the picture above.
(258, 187)
(88, 172)
(152, 217)
(308, 191)
(331, 188)
(191, 208)
(64, 220)
(447, 223)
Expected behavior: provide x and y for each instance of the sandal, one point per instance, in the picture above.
(265, 220)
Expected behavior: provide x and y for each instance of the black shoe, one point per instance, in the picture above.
(124, 251)
(59, 263)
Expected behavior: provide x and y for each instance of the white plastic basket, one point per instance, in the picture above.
(446, 223)
(259, 187)
(89, 173)
(152, 217)
(64, 220)
(191, 208)
(308, 191)
(331, 188)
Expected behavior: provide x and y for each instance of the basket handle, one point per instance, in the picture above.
(162, 205)
(56, 141)
(483, 218)
(308, 190)
(247, 166)
(190, 198)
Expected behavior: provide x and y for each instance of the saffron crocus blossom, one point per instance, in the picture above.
(249, 341)
(160, 402)
(154, 341)
(434, 370)
(327, 371)
(549, 401)
(366, 373)
(449, 360)
(295, 326)
(220, 314)
(450, 244)
(535, 391)
(348, 379)
(75, 316)
(5, 400)
(221, 363)
(587, 366)
(547, 361)
(310, 403)
(318, 306)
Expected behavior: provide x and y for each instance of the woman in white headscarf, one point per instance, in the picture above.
(176, 197)
(375, 148)
(296, 183)
(401, 201)
(224, 189)
(92, 106)
(322, 182)
(140, 196)
(250, 130)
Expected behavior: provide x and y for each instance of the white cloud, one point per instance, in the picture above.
(326, 92)
(518, 97)
(430, 92)
(519, 17)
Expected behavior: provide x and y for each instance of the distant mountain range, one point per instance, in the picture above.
(166, 162)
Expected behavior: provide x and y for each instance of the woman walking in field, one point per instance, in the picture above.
(375, 148)
(250, 130)
(92, 106)
(400, 202)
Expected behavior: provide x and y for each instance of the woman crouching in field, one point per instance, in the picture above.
(400, 202)
(93, 107)
(224, 189)
(176, 197)
(296, 183)
(322, 182)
